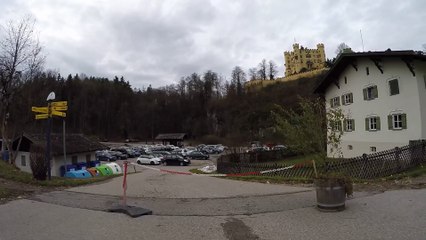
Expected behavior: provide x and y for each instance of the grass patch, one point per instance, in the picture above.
(10, 172)
(412, 173)
(271, 179)
(298, 159)
(5, 193)
(197, 171)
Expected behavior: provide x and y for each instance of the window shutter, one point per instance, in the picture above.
(404, 121)
(367, 128)
(394, 87)
(331, 103)
(338, 101)
(378, 123)
(353, 124)
(343, 100)
(390, 125)
(365, 93)
(345, 125)
(351, 98)
(375, 92)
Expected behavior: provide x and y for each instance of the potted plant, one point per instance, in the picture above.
(332, 190)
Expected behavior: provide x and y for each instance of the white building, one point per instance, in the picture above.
(79, 149)
(382, 96)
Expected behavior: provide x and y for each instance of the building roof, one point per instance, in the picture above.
(170, 136)
(345, 59)
(75, 143)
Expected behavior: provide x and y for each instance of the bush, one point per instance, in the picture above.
(37, 162)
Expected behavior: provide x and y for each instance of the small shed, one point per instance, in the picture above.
(175, 139)
(79, 150)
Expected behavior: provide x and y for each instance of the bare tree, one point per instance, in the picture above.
(20, 60)
(272, 70)
(253, 73)
(238, 79)
(262, 70)
(343, 47)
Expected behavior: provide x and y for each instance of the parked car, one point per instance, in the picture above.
(197, 155)
(175, 160)
(105, 156)
(130, 153)
(279, 147)
(148, 159)
(118, 155)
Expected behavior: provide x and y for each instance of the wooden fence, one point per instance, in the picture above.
(369, 166)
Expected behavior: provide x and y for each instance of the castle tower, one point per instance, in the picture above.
(303, 59)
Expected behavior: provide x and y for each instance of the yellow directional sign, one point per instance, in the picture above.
(57, 113)
(59, 104)
(41, 116)
(40, 109)
(61, 108)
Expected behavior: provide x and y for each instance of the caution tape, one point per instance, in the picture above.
(215, 175)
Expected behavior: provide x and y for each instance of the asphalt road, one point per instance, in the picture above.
(389, 215)
(195, 207)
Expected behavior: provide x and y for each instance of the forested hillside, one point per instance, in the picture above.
(200, 105)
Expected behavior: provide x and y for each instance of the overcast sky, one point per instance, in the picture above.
(157, 42)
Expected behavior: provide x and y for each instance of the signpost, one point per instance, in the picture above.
(52, 109)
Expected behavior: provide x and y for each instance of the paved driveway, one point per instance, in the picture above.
(149, 183)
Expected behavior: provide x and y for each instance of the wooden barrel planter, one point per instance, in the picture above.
(331, 194)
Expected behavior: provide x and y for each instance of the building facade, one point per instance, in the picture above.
(79, 149)
(382, 96)
(304, 59)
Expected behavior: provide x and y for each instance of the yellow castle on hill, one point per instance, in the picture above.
(299, 63)
(304, 59)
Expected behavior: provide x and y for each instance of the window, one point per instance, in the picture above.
(373, 149)
(336, 126)
(393, 87)
(370, 93)
(397, 121)
(424, 79)
(349, 125)
(367, 70)
(23, 161)
(372, 124)
(74, 160)
(347, 99)
(346, 80)
(350, 147)
(335, 102)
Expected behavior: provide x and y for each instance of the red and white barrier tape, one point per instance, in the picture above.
(215, 175)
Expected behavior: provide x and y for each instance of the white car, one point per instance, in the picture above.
(148, 159)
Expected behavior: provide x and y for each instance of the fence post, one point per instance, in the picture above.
(397, 158)
(364, 167)
(423, 151)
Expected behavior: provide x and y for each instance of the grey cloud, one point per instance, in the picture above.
(157, 42)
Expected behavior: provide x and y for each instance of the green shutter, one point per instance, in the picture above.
(404, 121)
(378, 123)
(364, 91)
(390, 125)
(353, 123)
(338, 101)
(345, 125)
(367, 128)
(351, 98)
(331, 103)
(375, 92)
